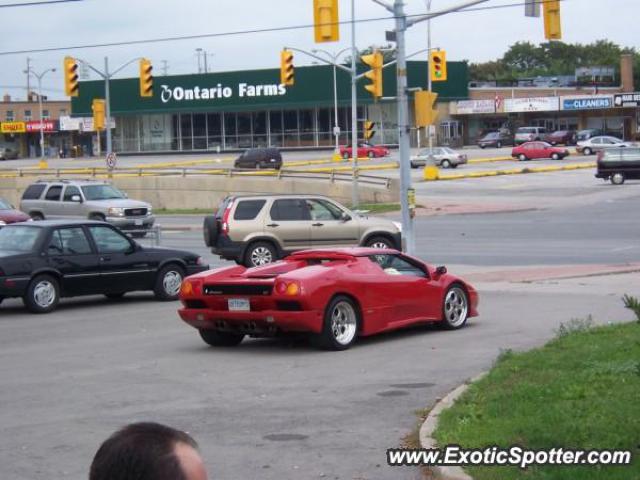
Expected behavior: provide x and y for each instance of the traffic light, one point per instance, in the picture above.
(369, 129)
(98, 107)
(286, 67)
(70, 77)
(325, 21)
(551, 14)
(424, 103)
(438, 65)
(374, 60)
(146, 78)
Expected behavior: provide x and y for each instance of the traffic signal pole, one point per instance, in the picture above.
(402, 23)
(355, 194)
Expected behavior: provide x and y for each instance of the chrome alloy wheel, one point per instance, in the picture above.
(379, 245)
(343, 323)
(171, 282)
(44, 294)
(261, 256)
(455, 306)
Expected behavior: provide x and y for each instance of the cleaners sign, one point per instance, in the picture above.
(586, 102)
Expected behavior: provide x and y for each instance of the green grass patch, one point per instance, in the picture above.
(580, 391)
(183, 211)
(379, 207)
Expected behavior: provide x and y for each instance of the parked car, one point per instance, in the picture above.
(530, 134)
(565, 137)
(336, 295)
(533, 150)
(598, 144)
(96, 200)
(618, 164)
(44, 261)
(444, 157)
(7, 153)
(8, 214)
(495, 139)
(259, 158)
(365, 150)
(587, 133)
(260, 229)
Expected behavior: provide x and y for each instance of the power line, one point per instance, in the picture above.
(31, 4)
(238, 32)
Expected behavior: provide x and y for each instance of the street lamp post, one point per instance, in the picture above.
(43, 163)
(430, 159)
(334, 62)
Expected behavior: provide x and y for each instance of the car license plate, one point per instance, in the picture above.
(239, 305)
(139, 222)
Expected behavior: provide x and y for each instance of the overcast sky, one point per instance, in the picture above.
(476, 36)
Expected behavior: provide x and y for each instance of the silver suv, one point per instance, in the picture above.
(259, 229)
(65, 199)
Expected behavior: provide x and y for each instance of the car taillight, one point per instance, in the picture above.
(288, 288)
(190, 287)
(225, 218)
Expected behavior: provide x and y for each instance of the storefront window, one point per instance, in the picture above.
(259, 129)
(10, 116)
(290, 121)
(244, 130)
(307, 128)
(230, 135)
(199, 131)
(275, 128)
(186, 131)
(214, 129)
(325, 126)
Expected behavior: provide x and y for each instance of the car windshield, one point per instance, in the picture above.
(101, 192)
(20, 239)
(4, 205)
(526, 130)
(448, 150)
(492, 135)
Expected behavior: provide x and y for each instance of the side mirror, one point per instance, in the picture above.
(441, 270)
(76, 198)
(345, 217)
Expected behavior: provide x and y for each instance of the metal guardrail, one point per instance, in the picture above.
(153, 234)
(325, 173)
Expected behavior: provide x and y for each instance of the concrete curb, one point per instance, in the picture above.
(431, 423)
(515, 171)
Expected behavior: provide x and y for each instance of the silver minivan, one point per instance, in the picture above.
(95, 200)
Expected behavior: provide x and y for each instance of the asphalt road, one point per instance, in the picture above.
(279, 409)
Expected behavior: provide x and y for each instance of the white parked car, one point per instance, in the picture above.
(600, 143)
(444, 157)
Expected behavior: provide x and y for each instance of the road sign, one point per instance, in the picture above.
(627, 100)
(111, 161)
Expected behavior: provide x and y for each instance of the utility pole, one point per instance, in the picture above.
(430, 160)
(43, 161)
(165, 68)
(27, 71)
(205, 54)
(397, 9)
(355, 194)
(198, 52)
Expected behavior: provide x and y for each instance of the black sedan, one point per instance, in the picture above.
(44, 261)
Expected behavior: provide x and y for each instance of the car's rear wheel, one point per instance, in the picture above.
(260, 253)
(482, 147)
(455, 308)
(499, 145)
(168, 282)
(587, 151)
(371, 154)
(413, 165)
(617, 178)
(340, 326)
(345, 155)
(555, 156)
(36, 217)
(97, 217)
(379, 242)
(216, 338)
(43, 294)
(446, 163)
(522, 157)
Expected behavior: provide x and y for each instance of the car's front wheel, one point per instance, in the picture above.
(446, 164)
(617, 178)
(36, 217)
(522, 157)
(499, 145)
(340, 326)
(371, 154)
(587, 151)
(455, 308)
(43, 294)
(168, 282)
(379, 242)
(345, 155)
(216, 338)
(555, 156)
(260, 253)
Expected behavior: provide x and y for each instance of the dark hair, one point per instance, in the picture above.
(140, 451)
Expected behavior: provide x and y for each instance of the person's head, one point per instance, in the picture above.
(148, 451)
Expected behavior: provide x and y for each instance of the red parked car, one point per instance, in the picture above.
(334, 294)
(8, 214)
(365, 150)
(565, 137)
(533, 150)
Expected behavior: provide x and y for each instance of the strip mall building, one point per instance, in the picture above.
(230, 111)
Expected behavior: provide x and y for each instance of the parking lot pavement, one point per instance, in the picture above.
(267, 409)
